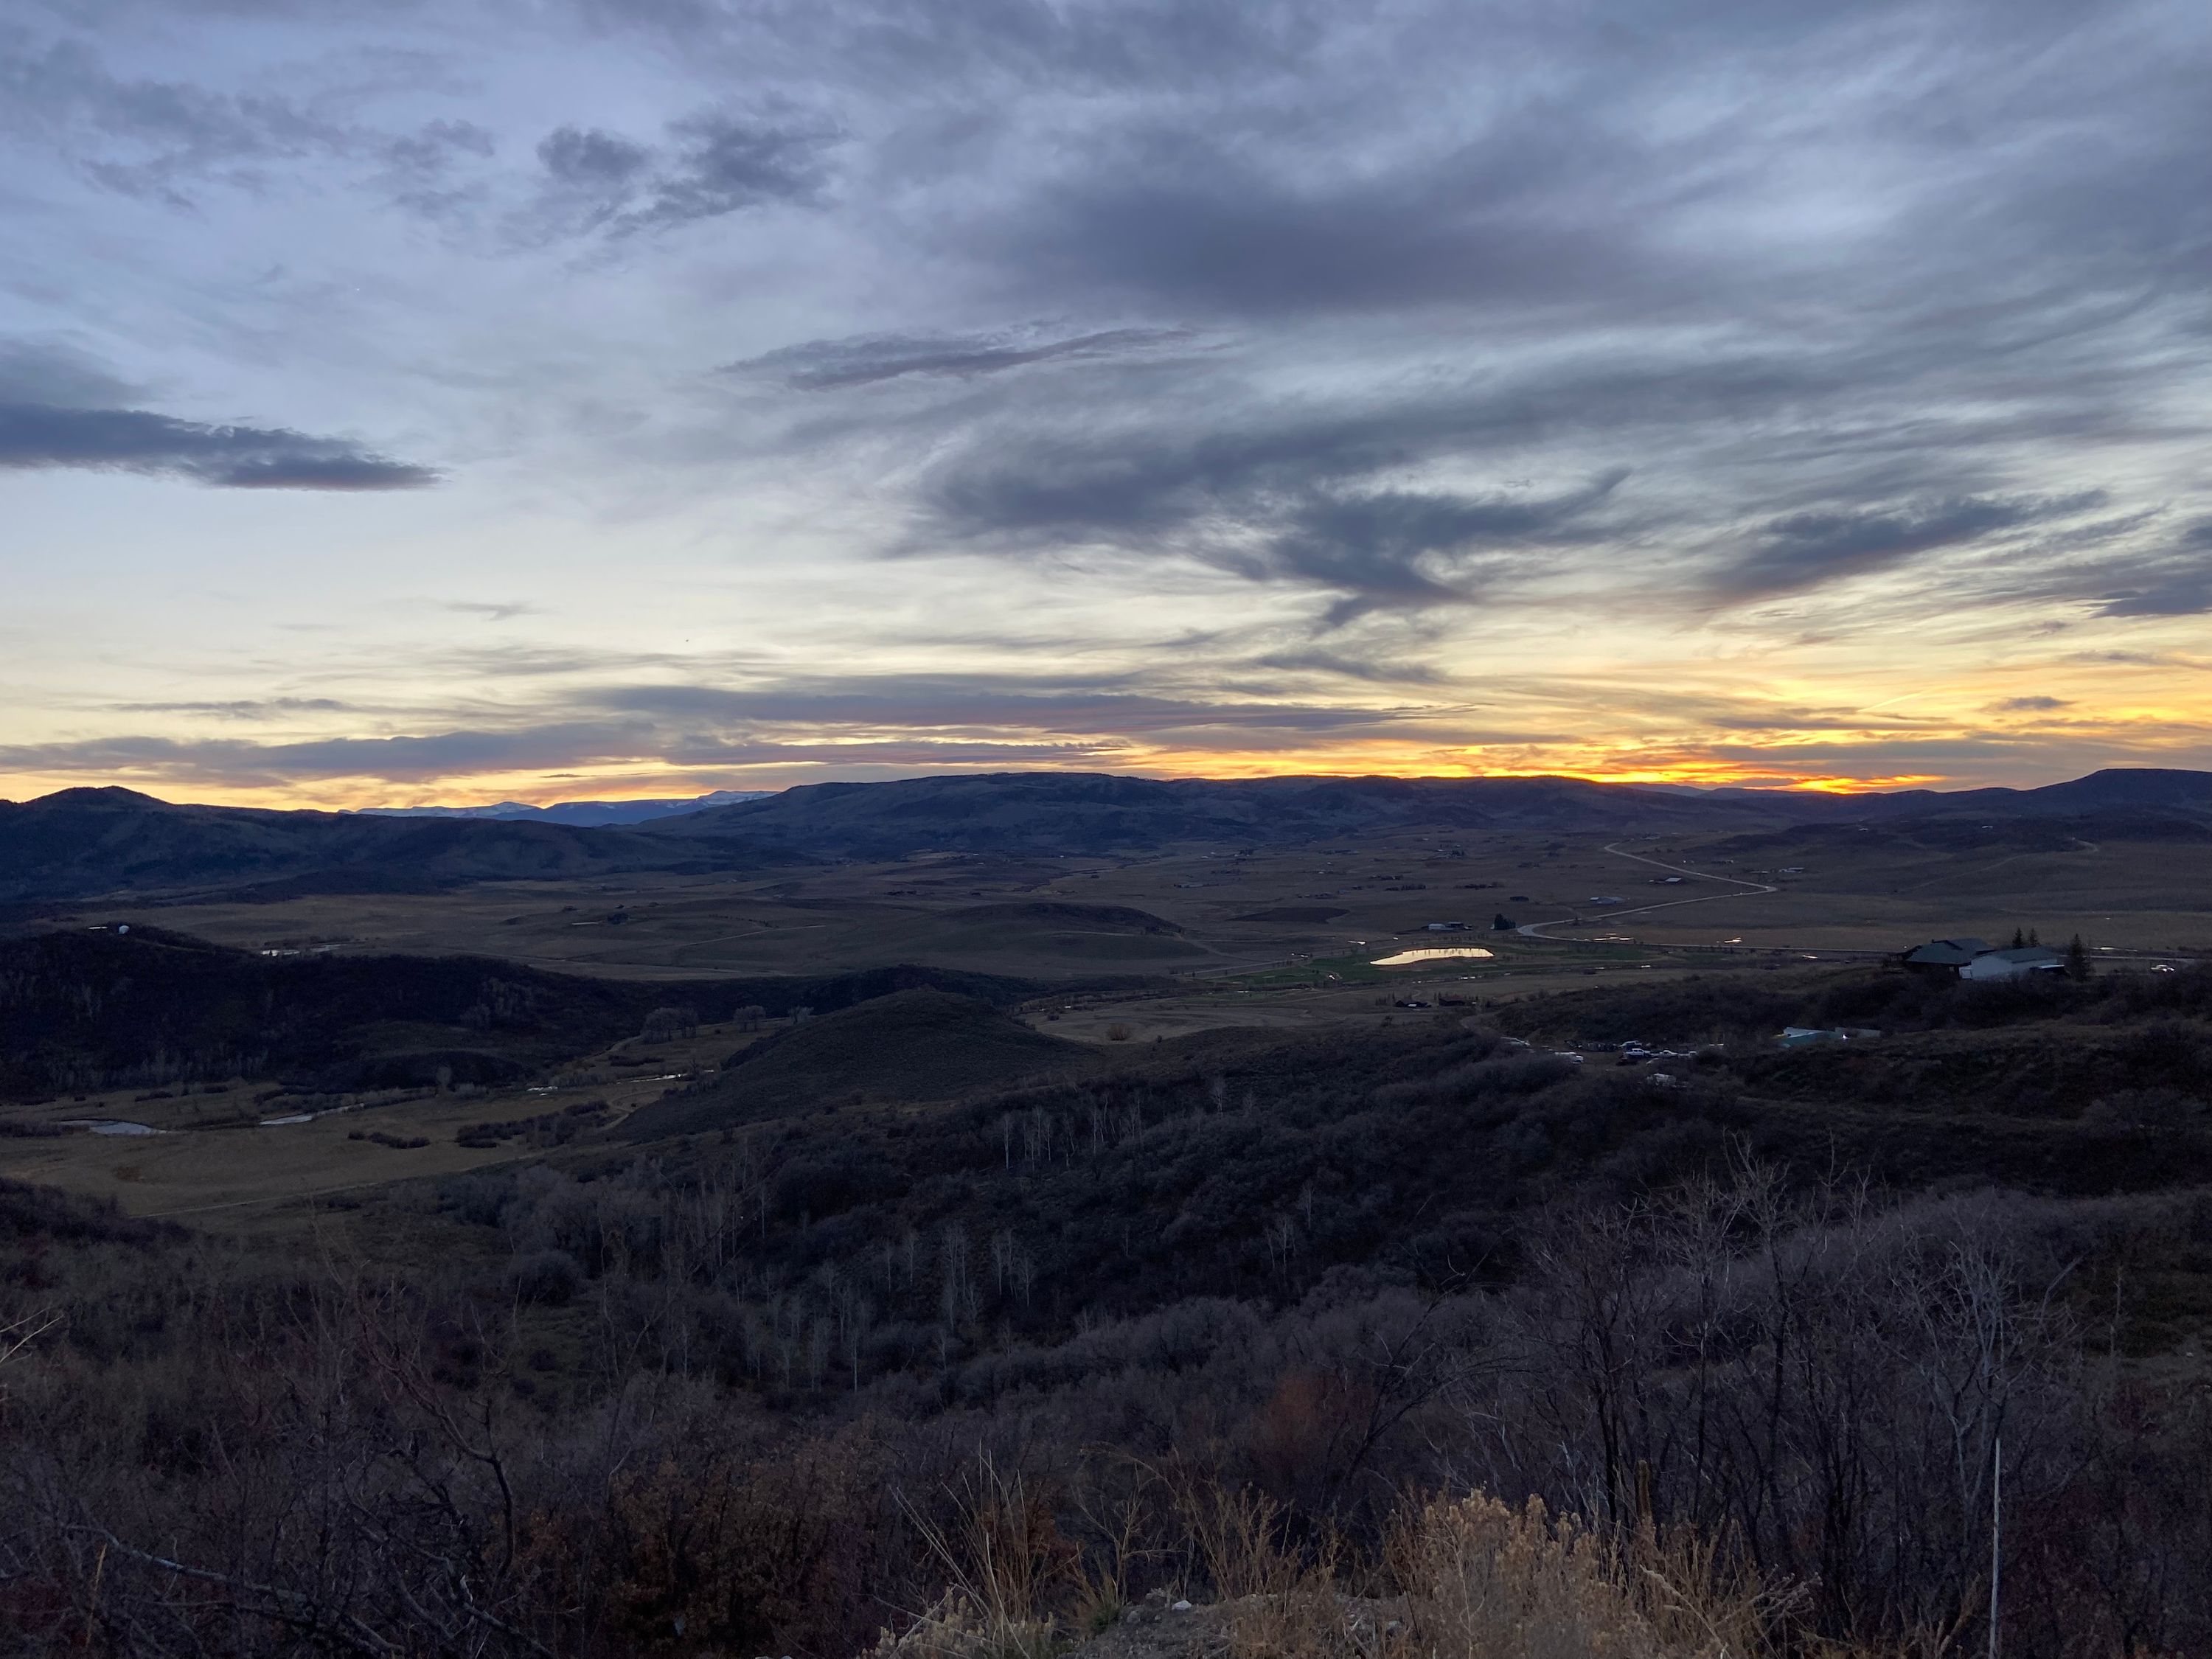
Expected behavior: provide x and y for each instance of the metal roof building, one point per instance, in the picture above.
(1952, 953)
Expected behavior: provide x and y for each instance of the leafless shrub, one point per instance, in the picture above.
(1482, 1578)
(1004, 1559)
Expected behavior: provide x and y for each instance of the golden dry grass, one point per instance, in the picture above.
(1465, 1577)
(191, 1170)
(1480, 1577)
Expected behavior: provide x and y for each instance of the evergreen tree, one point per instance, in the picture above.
(2019, 938)
(2078, 958)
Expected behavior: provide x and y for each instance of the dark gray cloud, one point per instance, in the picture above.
(396, 759)
(588, 156)
(1187, 457)
(1306, 498)
(711, 164)
(828, 365)
(34, 435)
(2177, 583)
(1810, 550)
(1869, 329)
(425, 171)
(965, 47)
(1402, 549)
(1378, 671)
(1642, 163)
(971, 702)
(2124, 566)
(724, 163)
(1027, 482)
(1185, 220)
(2032, 705)
(916, 722)
(57, 373)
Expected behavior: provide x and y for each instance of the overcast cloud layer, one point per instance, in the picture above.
(403, 402)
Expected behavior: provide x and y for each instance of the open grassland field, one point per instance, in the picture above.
(1871, 889)
(1223, 912)
(1206, 912)
(238, 1144)
(1103, 955)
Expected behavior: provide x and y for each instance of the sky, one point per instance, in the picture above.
(543, 399)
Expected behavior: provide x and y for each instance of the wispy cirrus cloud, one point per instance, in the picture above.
(241, 708)
(170, 139)
(827, 365)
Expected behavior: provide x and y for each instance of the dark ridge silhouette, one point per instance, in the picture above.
(83, 843)
(1041, 812)
(597, 814)
(86, 843)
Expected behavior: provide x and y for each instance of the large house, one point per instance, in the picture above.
(1974, 958)
(2015, 963)
(1946, 956)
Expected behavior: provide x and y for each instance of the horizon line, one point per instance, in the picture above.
(1831, 788)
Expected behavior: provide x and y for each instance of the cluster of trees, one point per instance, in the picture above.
(727, 1394)
(83, 1011)
(227, 1456)
(1732, 1007)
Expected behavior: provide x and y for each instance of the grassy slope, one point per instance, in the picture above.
(919, 1045)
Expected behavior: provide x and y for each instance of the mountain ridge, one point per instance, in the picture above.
(1098, 812)
(88, 842)
(591, 814)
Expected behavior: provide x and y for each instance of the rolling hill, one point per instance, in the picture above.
(920, 1044)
